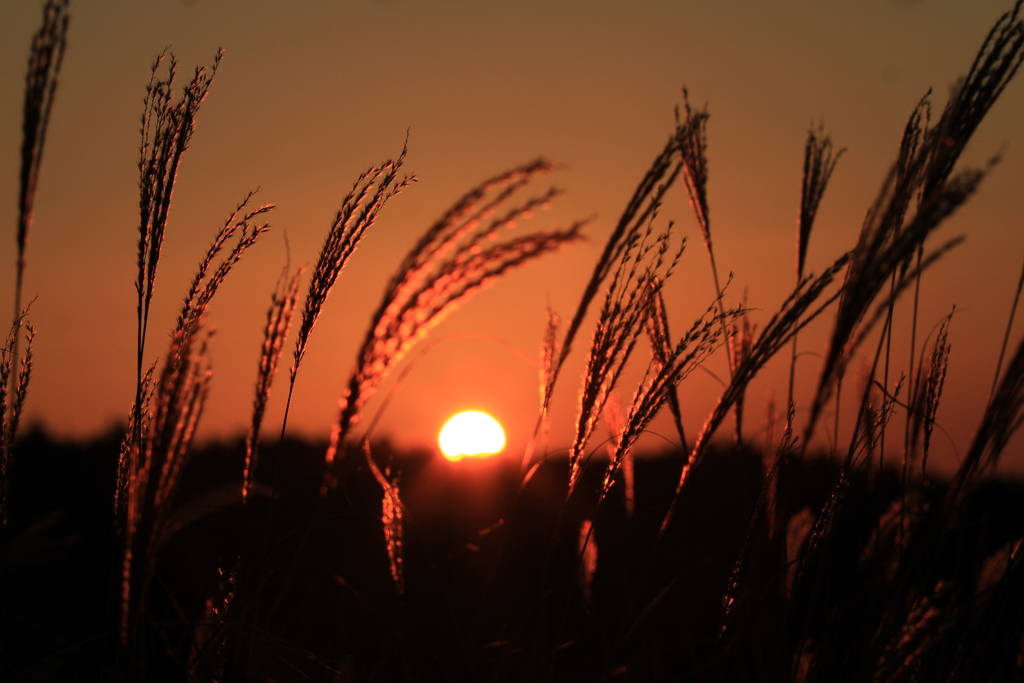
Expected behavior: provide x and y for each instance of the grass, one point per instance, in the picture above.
(279, 560)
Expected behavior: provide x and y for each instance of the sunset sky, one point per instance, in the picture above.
(306, 99)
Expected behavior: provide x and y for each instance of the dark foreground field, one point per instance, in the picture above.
(493, 585)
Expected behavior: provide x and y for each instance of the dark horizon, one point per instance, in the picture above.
(463, 522)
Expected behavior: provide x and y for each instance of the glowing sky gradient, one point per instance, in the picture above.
(307, 99)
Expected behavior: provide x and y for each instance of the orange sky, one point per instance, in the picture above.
(306, 100)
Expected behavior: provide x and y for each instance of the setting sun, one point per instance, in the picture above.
(471, 433)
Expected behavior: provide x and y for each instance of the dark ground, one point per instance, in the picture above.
(490, 571)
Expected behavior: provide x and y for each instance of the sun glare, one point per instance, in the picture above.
(471, 433)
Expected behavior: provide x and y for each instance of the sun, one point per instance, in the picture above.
(471, 433)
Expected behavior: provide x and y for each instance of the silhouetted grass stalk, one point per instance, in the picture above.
(925, 405)
(279, 322)
(663, 376)
(392, 519)
(659, 336)
(44, 62)
(799, 309)
(1006, 335)
(691, 136)
(644, 265)
(450, 263)
(12, 403)
(357, 214)
(819, 162)
(646, 198)
(155, 460)
(168, 124)
(879, 254)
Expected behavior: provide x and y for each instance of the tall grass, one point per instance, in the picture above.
(449, 264)
(155, 462)
(12, 402)
(819, 162)
(279, 323)
(358, 212)
(866, 579)
(44, 61)
(645, 263)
